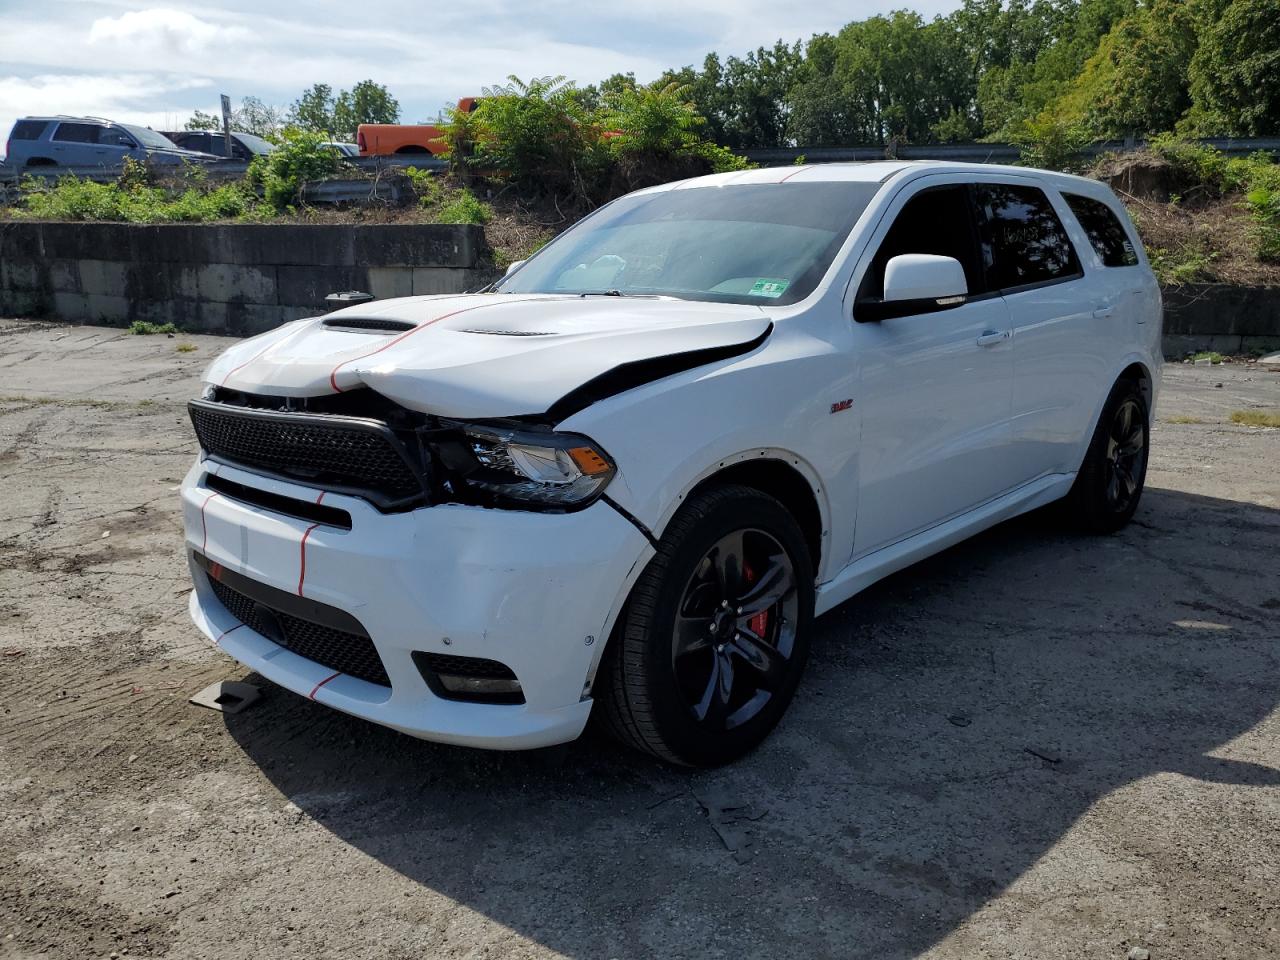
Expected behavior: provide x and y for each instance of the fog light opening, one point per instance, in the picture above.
(468, 679)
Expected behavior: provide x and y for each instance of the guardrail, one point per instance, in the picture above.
(225, 168)
(981, 152)
(341, 191)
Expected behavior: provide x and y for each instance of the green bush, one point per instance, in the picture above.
(1050, 142)
(464, 207)
(1264, 204)
(661, 126)
(71, 198)
(300, 157)
(1192, 162)
(1256, 176)
(143, 328)
(545, 137)
(534, 134)
(449, 203)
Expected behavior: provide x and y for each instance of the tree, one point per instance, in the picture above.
(203, 121)
(313, 110)
(1235, 72)
(1136, 82)
(366, 102)
(252, 116)
(258, 118)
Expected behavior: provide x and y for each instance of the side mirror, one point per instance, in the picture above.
(922, 276)
(514, 266)
(915, 283)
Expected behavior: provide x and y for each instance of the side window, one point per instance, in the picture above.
(937, 220)
(28, 130)
(1105, 232)
(192, 141)
(1023, 241)
(77, 133)
(114, 138)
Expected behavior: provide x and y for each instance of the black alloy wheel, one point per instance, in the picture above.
(712, 643)
(735, 631)
(1126, 455)
(1109, 483)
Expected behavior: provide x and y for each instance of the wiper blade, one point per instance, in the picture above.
(603, 293)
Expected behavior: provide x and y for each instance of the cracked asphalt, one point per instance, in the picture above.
(1037, 744)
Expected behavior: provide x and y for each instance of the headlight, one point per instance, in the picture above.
(553, 469)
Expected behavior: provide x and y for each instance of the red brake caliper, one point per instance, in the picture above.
(760, 622)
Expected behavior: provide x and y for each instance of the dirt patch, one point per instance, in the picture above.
(1034, 744)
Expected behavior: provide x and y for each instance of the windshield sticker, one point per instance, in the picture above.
(765, 287)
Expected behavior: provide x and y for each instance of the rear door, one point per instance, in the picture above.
(1059, 358)
(934, 387)
(75, 144)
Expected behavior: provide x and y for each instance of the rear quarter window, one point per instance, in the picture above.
(1105, 232)
(76, 133)
(28, 130)
(1023, 241)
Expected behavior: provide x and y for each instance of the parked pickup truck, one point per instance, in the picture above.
(386, 139)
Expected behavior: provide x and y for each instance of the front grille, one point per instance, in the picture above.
(347, 454)
(345, 651)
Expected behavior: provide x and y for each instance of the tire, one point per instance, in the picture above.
(1111, 479)
(688, 677)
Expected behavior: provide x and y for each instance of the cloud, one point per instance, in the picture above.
(129, 61)
(164, 30)
(156, 101)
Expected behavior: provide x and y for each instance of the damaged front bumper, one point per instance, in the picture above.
(536, 592)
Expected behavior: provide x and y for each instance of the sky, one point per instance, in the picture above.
(156, 64)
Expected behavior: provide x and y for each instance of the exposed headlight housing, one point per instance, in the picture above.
(535, 467)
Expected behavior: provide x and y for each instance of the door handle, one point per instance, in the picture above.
(990, 338)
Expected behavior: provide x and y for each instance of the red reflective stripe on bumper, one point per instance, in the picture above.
(225, 632)
(302, 551)
(204, 528)
(312, 694)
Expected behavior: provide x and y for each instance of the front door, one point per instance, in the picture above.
(935, 388)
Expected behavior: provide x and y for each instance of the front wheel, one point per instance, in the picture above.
(714, 637)
(1111, 479)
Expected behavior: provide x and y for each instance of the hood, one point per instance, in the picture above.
(491, 355)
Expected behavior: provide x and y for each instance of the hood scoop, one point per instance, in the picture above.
(369, 324)
(512, 333)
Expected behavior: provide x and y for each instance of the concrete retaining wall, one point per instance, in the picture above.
(1221, 317)
(234, 278)
(246, 278)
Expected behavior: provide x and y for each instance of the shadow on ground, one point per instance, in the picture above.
(955, 722)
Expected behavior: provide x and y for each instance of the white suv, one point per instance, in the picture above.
(629, 477)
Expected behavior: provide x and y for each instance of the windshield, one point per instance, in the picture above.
(149, 137)
(255, 144)
(763, 243)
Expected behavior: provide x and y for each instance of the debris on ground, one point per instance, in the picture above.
(227, 696)
(1045, 754)
(729, 817)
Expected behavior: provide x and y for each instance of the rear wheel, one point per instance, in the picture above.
(1111, 479)
(712, 643)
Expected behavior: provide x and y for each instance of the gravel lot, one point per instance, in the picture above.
(1034, 745)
